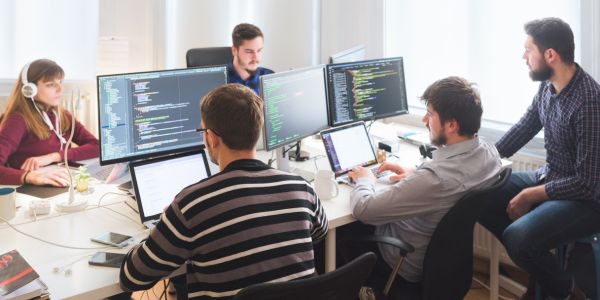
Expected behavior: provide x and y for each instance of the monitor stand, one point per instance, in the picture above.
(298, 154)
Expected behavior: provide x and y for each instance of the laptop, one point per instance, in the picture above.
(157, 181)
(347, 147)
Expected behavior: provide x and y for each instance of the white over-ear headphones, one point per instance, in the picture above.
(29, 89)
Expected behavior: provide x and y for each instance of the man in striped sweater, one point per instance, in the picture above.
(247, 224)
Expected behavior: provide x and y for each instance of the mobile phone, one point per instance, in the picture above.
(72, 164)
(113, 239)
(107, 259)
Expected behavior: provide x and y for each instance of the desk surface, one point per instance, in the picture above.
(76, 229)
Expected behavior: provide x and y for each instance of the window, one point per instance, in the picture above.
(482, 41)
(63, 30)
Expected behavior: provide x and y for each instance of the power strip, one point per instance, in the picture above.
(39, 207)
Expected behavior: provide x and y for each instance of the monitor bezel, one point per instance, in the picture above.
(348, 51)
(330, 90)
(149, 155)
(274, 75)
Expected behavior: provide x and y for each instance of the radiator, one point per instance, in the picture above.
(482, 239)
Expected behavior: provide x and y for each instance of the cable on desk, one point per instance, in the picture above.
(108, 193)
(52, 243)
(120, 213)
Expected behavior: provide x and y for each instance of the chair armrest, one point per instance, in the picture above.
(404, 247)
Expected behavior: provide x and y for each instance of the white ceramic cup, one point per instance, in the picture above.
(325, 185)
(7, 203)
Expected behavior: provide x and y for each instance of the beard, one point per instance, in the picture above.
(252, 72)
(440, 140)
(542, 74)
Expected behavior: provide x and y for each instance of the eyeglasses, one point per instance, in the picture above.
(206, 129)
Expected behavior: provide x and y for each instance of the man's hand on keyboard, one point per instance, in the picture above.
(401, 172)
(359, 172)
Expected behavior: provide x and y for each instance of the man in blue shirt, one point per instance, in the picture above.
(247, 51)
(559, 203)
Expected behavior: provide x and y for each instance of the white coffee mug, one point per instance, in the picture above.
(7, 203)
(325, 185)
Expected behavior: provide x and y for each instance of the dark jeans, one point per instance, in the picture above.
(529, 239)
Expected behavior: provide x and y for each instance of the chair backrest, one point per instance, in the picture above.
(448, 264)
(341, 284)
(200, 57)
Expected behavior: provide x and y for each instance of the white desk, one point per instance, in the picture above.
(75, 229)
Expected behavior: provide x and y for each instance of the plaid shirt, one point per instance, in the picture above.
(571, 122)
(252, 82)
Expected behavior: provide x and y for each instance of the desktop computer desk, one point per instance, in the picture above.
(113, 214)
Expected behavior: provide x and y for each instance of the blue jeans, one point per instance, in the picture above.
(529, 239)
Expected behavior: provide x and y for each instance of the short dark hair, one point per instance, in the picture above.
(245, 32)
(553, 33)
(455, 98)
(235, 113)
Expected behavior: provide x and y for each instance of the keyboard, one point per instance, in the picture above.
(103, 173)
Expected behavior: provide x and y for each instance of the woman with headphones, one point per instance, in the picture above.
(34, 129)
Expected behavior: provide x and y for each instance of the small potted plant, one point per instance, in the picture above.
(83, 178)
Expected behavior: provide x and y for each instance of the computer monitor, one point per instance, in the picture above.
(148, 114)
(356, 53)
(295, 105)
(366, 90)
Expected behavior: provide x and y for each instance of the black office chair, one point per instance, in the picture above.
(341, 284)
(448, 263)
(200, 57)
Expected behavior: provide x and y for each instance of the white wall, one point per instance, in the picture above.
(288, 26)
(347, 23)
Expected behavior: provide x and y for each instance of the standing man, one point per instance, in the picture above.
(559, 203)
(247, 51)
(248, 224)
(415, 204)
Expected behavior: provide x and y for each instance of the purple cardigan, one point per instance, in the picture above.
(17, 144)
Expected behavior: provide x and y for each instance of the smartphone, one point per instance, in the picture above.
(113, 239)
(72, 164)
(107, 259)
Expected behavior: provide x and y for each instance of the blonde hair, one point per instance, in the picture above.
(41, 70)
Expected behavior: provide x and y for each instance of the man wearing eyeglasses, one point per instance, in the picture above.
(247, 224)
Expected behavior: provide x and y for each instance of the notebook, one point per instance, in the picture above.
(157, 181)
(347, 147)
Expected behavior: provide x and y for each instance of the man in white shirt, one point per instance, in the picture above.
(420, 197)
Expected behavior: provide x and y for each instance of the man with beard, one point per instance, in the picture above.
(420, 197)
(248, 224)
(559, 203)
(247, 51)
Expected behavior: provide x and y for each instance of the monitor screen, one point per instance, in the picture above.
(366, 90)
(295, 105)
(349, 55)
(147, 114)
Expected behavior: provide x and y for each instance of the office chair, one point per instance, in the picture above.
(200, 57)
(448, 263)
(341, 284)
